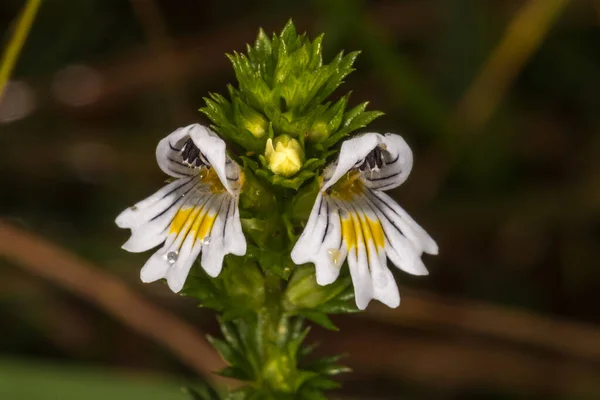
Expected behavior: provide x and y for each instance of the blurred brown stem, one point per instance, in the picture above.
(51, 262)
(424, 309)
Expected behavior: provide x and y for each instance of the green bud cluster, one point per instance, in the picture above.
(283, 87)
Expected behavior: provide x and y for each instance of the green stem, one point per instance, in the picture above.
(277, 368)
(11, 54)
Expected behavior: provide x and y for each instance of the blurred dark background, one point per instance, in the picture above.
(499, 100)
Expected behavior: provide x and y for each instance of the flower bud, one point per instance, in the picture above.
(284, 155)
(251, 120)
(318, 131)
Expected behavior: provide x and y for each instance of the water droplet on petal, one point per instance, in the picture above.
(335, 256)
(171, 257)
(206, 241)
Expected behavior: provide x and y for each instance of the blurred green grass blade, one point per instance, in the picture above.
(37, 380)
(523, 37)
(11, 54)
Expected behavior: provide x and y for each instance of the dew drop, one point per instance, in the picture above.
(335, 256)
(206, 241)
(171, 257)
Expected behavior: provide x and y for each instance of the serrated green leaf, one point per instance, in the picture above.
(350, 125)
(226, 351)
(318, 318)
(307, 350)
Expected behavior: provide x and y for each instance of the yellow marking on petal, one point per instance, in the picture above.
(209, 177)
(348, 233)
(348, 186)
(366, 231)
(179, 220)
(205, 226)
(377, 233)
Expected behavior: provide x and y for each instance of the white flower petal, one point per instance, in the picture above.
(197, 213)
(168, 153)
(398, 161)
(321, 242)
(331, 254)
(154, 232)
(147, 209)
(213, 148)
(155, 268)
(212, 257)
(352, 154)
(366, 224)
(409, 228)
(384, 285)
(359, 266)
(212, 151)
(235, 241)
(204, 223)
(312, 234)
(399, 248)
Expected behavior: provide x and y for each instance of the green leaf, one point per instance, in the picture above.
(226, 351)
(318, 318)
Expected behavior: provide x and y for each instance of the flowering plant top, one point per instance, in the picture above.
(265, 208)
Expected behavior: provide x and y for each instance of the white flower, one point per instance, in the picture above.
(353, 219)
(196, 213)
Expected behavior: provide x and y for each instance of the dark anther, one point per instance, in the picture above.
(191, 154)
(373, 160)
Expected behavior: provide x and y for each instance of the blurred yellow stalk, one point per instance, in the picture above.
(522, 37)
(11, 53)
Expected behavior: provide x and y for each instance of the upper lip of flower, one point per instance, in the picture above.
(352, 218)
(387, 159)
(196, 213)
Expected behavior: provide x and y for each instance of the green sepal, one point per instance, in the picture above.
(306, 173)
(290, 183)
